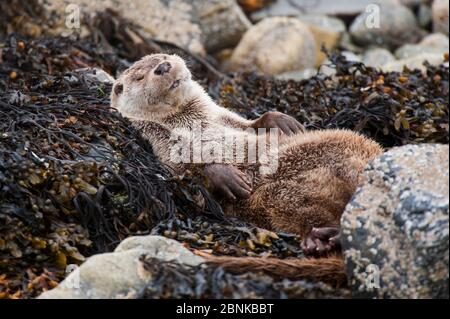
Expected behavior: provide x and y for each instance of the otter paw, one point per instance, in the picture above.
(321, 241)
(228, 181)
(287, 124)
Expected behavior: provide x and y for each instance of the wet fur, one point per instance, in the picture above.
(317, 175)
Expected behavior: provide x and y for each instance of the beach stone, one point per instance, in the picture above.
(414, 62)
(175, 21)
(327, 31)
(395, 230)
(396, 25)
(120, 274)
(274, 46)
(377, 57)
(440, 16)
(436, 40)
(412, 50)
(299, 7)
(436, 43)
(223, 23)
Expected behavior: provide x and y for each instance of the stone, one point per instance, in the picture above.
(223, 23)
(297, 75)
(440, 16)
(395, 26)
(274, 46)
(299, 7)
(120, 274)
(327, 31)
(326, 68)
(411, 50)
(95, 75)
(395, 230)
(377, 57)
(435, 40)
(424, 16)
(415, 62)
(173, 21)
(436, 43)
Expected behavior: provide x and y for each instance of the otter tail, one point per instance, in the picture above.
(330, 270)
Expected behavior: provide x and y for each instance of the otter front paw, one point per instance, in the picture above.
(321, 241)
(287, 124)
(228, 181)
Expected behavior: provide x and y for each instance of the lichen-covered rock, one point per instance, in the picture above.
(223, 23)
(397, 225)
(327, 31)
(440, 16)
(120, 274)
(385, 24)
(377, 57)
(274, 46)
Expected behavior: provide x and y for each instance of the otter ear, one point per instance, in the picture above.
(118, 88)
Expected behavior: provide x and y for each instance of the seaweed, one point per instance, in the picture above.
(391, 107)
(173, 281)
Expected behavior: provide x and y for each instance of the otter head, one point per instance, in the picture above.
(152, 88)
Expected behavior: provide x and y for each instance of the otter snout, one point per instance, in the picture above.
(163, 68)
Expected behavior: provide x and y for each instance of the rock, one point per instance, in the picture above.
(415, 62)
(298, 7)
(397, 225)
(377, 57)
(424, 16)
(95, 75)
(395, 26)
(223, 23)
(297, 75)
(173, 21)
(436, 43)
(436, 40)
(326, 30)
(412, 50)
(120, 274)
(440, 16)
(274, 46)
(330, 71)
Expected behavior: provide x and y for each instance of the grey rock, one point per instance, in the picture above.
(120, 274)
(415, 62)
(440, 16)
(223, 23)
(298, 7)
(436, 40)
(377, 57)
(297, 75)
(395, 26)
(95, 75)
(397, 225)
(327, 69)
(411, 50)
(274, 46)
(424, 15)
(173, 21)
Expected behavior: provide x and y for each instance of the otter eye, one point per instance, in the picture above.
(139, 77)
(118, 89)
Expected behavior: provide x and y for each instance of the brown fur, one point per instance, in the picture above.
(329, 270)
(317, 175)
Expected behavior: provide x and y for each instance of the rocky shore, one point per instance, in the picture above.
(86, 209)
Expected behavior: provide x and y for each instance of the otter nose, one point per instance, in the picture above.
(163, 68)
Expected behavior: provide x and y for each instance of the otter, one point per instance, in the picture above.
(317, 173)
